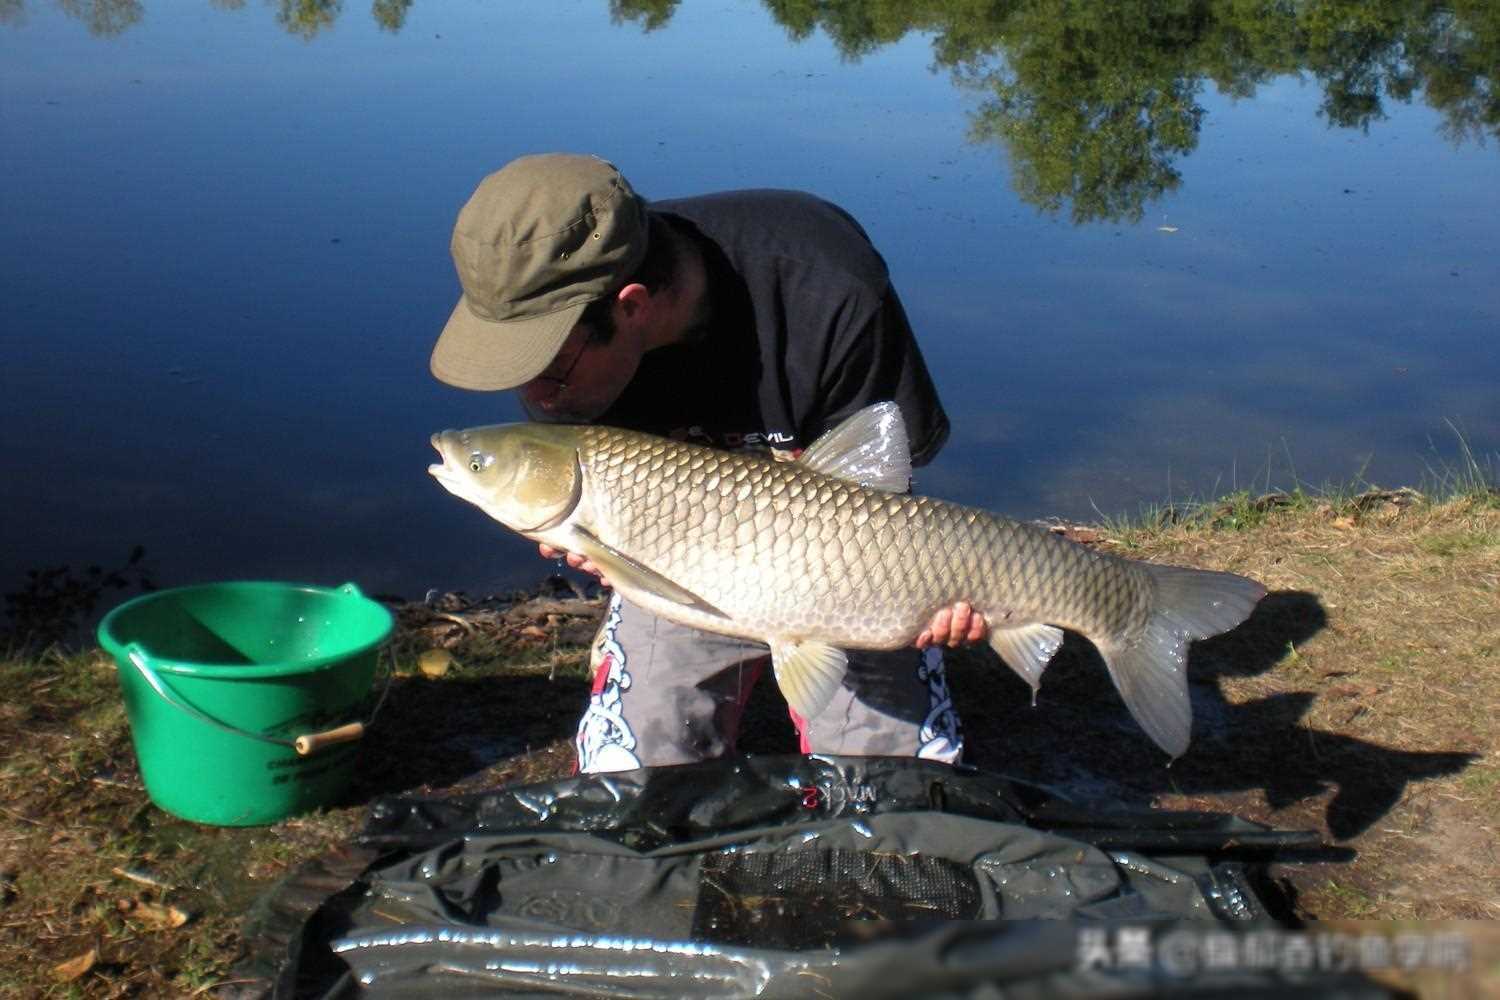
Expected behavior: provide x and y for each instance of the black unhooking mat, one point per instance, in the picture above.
(780, 877)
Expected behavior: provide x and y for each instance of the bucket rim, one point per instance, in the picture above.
(243, 671)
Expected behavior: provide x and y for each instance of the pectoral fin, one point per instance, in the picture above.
(1027, 649)
(621, 568)
(809, 674)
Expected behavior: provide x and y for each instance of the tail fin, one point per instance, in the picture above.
(1150, 670)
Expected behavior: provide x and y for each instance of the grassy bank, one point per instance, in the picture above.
(1362, 699)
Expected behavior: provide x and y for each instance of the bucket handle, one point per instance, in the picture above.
(311, 743)
(305, 745)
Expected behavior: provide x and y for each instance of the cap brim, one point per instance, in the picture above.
(475, 353)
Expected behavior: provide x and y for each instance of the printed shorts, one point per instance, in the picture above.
(665, 693)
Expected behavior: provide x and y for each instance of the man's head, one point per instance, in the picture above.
(538, 241)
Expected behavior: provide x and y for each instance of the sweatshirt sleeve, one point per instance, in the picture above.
(877, 361)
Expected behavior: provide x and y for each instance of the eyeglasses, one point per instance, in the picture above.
(560, 382)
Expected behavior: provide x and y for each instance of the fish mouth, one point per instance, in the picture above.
(442, 471)
(453, 473)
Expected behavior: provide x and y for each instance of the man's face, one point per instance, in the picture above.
(585, 378)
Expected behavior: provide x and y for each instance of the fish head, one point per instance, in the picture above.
(526, 476)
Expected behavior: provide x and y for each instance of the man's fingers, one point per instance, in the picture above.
(942, 626)
(953, 627)
(573, 559)
(961, 617)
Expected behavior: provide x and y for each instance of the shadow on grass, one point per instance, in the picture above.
(430, 735)
(1081, 739)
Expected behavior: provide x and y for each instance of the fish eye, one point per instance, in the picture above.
(477, 462)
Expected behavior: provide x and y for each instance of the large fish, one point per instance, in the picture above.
(830, 553)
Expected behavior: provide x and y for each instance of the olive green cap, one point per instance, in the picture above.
(538, 241)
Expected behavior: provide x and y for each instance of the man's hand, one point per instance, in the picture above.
(575, 560)
(952, 627)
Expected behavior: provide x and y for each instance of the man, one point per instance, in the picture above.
(743, 319)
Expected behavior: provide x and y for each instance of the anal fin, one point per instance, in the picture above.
(1027, 649)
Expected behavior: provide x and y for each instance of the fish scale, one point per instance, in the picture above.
(655, 498)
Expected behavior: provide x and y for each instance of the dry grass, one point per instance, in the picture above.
(1404, 679)
(1361, 699)
(88, 866)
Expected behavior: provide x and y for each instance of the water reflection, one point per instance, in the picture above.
(266, 222)
(104, 18)
(1094, 104)
(107, 18)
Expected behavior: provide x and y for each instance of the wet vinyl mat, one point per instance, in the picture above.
(731, 879)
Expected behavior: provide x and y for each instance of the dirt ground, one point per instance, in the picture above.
(1360, 700)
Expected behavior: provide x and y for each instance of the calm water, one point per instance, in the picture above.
(1149, 260)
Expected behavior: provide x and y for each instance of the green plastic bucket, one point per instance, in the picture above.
(246, 699)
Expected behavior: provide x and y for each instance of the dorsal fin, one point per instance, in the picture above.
(868, 448)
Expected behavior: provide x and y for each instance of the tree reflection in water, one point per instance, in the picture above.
(1093, 104)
